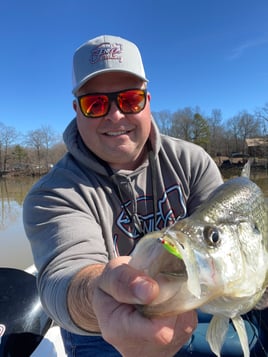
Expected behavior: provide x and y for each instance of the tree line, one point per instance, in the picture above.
(38, 150)
(32, 153)
(216, 136)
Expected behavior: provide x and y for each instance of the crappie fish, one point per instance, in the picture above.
(215, 260)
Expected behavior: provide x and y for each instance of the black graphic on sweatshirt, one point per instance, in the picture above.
(170, 207)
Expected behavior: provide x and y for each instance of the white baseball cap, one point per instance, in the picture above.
(106, 53)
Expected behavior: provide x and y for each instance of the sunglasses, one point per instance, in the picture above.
(96, 105)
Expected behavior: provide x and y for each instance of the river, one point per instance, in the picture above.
(15, 251)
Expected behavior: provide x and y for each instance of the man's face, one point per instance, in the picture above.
(117, 138)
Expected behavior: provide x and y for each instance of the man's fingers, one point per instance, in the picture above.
(126, 284)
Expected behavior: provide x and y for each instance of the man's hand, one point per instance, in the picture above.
(118, 289)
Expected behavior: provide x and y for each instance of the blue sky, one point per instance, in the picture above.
(207, 53)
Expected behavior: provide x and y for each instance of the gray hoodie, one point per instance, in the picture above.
(82, 212)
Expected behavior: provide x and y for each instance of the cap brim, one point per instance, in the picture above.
(106, 70)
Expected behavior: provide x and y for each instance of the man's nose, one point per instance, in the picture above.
(114, 113)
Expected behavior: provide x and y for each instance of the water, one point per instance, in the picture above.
(15, 251)
(259, 177)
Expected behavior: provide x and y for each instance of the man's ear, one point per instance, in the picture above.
(75, 105)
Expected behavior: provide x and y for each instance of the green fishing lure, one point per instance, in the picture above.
(170, 247)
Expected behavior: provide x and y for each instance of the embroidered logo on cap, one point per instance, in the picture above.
(107, 51)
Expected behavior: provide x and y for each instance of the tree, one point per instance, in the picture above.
(263, 112)
(217, 133)
(188, 124)
(248, 127)
(1, 160)
(41, 141)
(19, 157)
(234, 135)
(163, 120)
(8, 135)
(49, 139)
(262, 115)
(181, 126)
(200, 131)
(37, 140)
(57, 151)
(243, 126)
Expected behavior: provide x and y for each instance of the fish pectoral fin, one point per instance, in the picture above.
(241, 331)
(216, 333)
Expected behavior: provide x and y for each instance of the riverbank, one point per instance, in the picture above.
(225, 166)
(232, 171)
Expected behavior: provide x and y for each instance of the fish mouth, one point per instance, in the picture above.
(172, 278)
(174, 283)
(176, 274)
(178, 281)
(172, 266)
(172, 271)
(185, 264)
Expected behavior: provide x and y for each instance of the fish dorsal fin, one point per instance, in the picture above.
(216, 333)
(241, 331)
(246, 169)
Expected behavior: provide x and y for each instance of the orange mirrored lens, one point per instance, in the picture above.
(132, 101)
(94, 105)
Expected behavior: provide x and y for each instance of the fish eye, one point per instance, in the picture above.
(212, 235)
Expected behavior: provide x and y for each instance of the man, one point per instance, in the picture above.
(119, 180)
